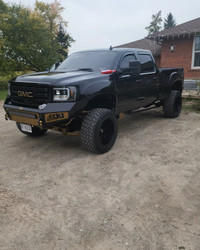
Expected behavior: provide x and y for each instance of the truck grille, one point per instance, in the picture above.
(29, 94)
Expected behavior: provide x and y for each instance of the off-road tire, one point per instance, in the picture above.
(36, 131)
(172, 105)
(99, 130)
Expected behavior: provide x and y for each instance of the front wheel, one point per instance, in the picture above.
(173, 104)
(34, 131)
(99, 130)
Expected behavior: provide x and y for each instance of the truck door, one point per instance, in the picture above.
(127, 86)
(149, 79)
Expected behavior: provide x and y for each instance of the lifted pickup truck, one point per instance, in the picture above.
(89, 90)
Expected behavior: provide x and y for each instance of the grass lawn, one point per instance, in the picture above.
(191, 105)
(3, 94)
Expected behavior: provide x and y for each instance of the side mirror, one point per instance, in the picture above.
(57, 64)
(135, 67)
(54, 66)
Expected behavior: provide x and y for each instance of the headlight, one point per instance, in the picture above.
(65, 94)
(9, 92)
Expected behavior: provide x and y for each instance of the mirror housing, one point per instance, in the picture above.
(134, 68)
(57, 64)
(54, 66)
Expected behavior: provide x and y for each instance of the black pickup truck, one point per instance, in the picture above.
(89, 90)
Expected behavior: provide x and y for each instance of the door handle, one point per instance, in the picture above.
(140, 98)
(127, 83)
(124, 76)
(138, 81)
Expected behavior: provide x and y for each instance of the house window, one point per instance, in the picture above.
(196, 55)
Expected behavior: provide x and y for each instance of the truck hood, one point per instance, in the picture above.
(56, 78)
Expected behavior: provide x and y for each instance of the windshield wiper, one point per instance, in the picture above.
(71, 70)
(85, 69)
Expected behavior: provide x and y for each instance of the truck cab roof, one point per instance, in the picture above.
(119, 50)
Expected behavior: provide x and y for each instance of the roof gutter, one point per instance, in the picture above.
(159, 38)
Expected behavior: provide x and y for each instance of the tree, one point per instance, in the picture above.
(155, 24)
(56, 25)
(3, 7)
(51, 14)
(27, 43)
(169, 21)
(64, 40)
(28, 38)
(3, 62)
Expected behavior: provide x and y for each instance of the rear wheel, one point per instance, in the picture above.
(36, 131)
(173, 104)
(99, 130)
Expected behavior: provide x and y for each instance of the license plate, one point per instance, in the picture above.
(26, 128)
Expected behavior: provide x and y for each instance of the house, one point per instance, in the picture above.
(179, 47)
(145, 43)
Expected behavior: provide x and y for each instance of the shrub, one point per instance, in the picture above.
(3, 84)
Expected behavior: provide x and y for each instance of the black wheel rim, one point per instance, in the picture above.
(106, 132)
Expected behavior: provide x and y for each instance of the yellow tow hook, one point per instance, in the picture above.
(40, 123)
(121, 116)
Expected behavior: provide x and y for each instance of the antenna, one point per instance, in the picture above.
(111, 47)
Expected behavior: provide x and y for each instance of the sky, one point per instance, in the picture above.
(99, 24)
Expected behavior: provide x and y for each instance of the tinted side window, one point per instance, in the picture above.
(125, 62)
(147, 64)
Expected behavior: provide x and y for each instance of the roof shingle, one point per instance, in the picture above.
(189, 28)
(143, 44)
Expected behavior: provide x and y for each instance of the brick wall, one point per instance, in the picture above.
(180, 57)
(157, 60)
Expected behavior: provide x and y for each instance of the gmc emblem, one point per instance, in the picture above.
(25, 94)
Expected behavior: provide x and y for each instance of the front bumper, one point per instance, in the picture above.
(53, 114)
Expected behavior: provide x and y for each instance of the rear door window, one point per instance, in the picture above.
(147, 64)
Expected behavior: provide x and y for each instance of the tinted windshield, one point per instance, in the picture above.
(92, 60)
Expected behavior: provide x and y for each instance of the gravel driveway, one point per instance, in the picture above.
(143, 194)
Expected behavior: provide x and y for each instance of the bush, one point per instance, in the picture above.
(3, 84)
(5, 79)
